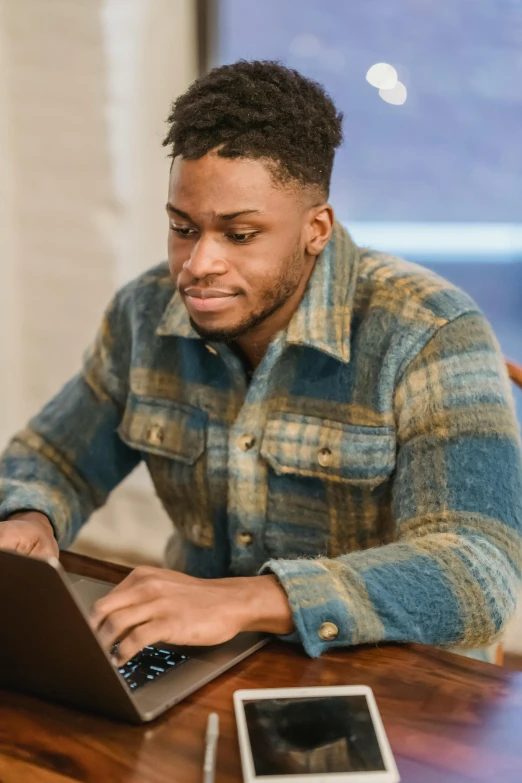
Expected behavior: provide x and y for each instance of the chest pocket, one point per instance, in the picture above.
(172, 438)
(328, 485)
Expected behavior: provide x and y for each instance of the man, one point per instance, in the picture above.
(329, 428)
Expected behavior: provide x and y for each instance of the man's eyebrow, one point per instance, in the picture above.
(223, 217)
(171, 208)
(233, 215)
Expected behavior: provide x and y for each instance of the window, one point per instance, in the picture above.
(438, 179)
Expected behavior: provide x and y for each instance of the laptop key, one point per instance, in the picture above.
(149, 664)
(137, 679)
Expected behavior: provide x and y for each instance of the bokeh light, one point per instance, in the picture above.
(396, 96)
(383, 76)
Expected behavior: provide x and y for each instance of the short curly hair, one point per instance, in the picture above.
(260, 110)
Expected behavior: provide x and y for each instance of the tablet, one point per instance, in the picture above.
(307, 735)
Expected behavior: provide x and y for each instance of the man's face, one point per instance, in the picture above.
(236, 243)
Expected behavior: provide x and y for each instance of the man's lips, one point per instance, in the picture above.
(208, 299)
(208, 293)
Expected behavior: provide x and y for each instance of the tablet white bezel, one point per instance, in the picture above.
(389, 775)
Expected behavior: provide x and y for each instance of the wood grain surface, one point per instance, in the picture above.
(449, 719)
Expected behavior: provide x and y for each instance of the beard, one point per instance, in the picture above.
(273, 298)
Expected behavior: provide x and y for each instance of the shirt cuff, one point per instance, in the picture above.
(321, 617)
(23, 500)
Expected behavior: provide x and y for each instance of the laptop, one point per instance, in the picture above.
(48, 648)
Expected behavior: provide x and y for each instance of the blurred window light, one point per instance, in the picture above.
(397, 95)
(383, 76)
(464, 242)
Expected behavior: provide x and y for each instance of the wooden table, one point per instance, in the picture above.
(448, 718)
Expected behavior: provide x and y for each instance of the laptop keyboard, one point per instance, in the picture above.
(151, 663)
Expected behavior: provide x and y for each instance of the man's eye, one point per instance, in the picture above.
(242, 239)
(183, 231)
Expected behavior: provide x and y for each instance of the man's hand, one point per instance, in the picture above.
(156, 605)
(29, 533)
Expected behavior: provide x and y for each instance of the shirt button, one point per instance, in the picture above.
(328, 631)
(325, 457)
(155, 435)
(212, 350)
(245, 539)
(246, 442)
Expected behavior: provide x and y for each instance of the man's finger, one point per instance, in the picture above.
(14, 543)
(120, 623)
(35, 545)
(115, 601)
(140, 575)
(44, 549)
(139, 637)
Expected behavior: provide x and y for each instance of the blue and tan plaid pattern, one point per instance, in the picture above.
(373, 462)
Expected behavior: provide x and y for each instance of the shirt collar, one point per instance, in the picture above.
(323, 318)
(175, 321)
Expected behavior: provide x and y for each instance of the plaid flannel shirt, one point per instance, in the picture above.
(372, 463)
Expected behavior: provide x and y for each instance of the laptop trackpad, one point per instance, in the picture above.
(88, 592)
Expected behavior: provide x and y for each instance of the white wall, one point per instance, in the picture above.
(85, 88)
(9, 314)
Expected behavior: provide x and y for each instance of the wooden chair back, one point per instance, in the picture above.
(515, 372)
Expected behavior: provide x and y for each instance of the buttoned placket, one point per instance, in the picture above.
(247, 471)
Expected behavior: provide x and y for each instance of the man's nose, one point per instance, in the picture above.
(206, 259)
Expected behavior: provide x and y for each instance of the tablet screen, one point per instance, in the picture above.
(312, 735)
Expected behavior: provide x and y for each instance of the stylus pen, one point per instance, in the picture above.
(211, 741)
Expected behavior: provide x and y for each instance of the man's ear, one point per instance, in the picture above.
(320, 220)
